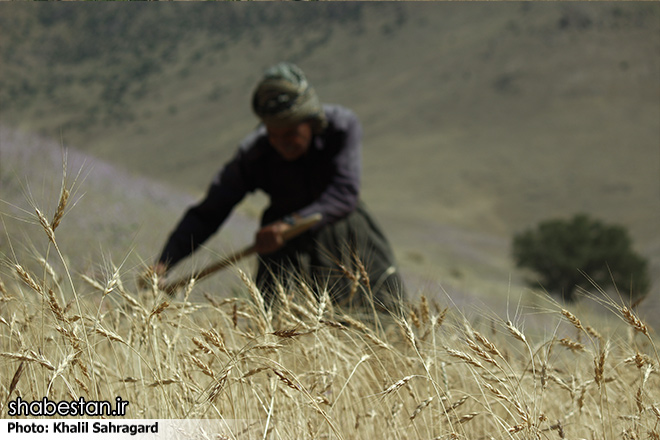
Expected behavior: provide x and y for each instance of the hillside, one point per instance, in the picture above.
(112, 217)
(491, 116)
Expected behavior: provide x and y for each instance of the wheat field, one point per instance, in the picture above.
(308, 370)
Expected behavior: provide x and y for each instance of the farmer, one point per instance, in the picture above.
(306, 157)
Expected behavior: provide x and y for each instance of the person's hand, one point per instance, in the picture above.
(145, 280)
(269, 238)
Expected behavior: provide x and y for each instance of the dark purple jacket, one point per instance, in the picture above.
(326, 180)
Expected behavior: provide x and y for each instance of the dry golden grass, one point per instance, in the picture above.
(308, 370)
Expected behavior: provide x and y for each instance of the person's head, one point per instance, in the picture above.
(289, 108)
(290, 141)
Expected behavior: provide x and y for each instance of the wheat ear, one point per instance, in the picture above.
(59, 213)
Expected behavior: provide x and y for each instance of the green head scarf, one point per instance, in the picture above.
(284, 97)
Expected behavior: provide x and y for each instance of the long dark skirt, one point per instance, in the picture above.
(351, 258)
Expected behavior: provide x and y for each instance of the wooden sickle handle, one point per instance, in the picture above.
(298, 228)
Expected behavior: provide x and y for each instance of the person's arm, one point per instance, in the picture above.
(341, 196)
(202, 220)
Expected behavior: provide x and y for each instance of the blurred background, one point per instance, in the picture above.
(480, 120)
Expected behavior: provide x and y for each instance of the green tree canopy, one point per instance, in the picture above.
(567, 254)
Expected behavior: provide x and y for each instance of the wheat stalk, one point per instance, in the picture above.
(572, 319)
(409, 333)
(82, 385)
(639, 400)
(378, 342)
(364, 275)
(439, 319)
(356, 324)
(288, 382)
(467, 417)
(163, 382)
(464, 356)
(112, 283)
(414, 319)
(46, 226)
(109, 334)
(32, 357)
(202, 345)
(58, 311)
(488, 345)
(572, 345)
(499, 394)
(157, 310)
(132, 301)
(202, 366)
(62, 366)
(599, 367)
(481, 353)
(59, 213)
(634, 321)
(49, 269)
(424, 311)
(639, 360)
(515, 332)
(213, 337)
(92, 282)
(75, 341)
(267, 346)
(290, 333)
(281, 295)
(516, 428)
(324, 302)
(333, 324)
(253, 290)
(420, 408)
(27, 279)
(303, 311)
(593, 333)
(14, 380)
(647, 372)
(254, 371)
(396, 385)
(656, 412)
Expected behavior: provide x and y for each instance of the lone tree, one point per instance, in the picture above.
(574, 253)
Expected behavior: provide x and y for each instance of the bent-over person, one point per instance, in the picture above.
(307, 158)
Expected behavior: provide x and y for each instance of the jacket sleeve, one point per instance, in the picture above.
(202, 220)
(341, 196)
